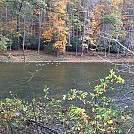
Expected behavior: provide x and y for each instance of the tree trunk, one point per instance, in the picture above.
(24, 30)
(40, 18)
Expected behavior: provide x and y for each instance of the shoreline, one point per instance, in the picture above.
(90, 57)
(68, 62)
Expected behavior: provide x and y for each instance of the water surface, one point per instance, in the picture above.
(28, 80)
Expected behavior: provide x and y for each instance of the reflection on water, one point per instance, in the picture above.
(59, 77)
(29, 80)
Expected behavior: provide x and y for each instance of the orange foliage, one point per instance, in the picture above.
(97, 14)
(57, 28)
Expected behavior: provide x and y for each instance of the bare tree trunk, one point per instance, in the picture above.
(40, 16)
(24, 30)
(10, 46)
(84, 29)
(6, 17)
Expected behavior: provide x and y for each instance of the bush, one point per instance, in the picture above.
(3, 42)
(16, 43)
(32, 42)
(48, 47)
(85, 112)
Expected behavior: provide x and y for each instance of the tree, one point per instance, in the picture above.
(3, 42)
(58, 23)
(57, 29)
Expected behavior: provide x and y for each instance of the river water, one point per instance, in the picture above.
(28, 80)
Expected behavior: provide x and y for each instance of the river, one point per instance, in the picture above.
(28, 80)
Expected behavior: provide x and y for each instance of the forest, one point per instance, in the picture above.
(67, 25)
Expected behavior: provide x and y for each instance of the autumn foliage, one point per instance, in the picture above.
(64, 22)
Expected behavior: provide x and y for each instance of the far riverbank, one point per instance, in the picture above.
(33, 56)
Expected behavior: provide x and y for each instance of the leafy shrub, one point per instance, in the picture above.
(98, 113)
(16, 43)
(32, 42)
(85, 112)
(3, 42)
(48, 47)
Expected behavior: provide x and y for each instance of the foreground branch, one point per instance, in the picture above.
(39, 124)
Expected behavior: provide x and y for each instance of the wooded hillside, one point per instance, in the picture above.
(67, 25)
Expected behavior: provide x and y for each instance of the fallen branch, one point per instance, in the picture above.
(108, 37)
(42, 126)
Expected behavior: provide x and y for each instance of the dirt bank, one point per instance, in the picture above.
(33, 56)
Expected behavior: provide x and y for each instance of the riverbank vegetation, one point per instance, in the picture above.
(90, 112)
(67, 25)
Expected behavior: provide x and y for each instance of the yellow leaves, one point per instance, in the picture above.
(105, 86)
(93, 109)
(116, 2)
(60, 43)
(92, 41)
(60, 6)
(60, 25)
(84, 120)
(11, 25)
(110, 122)
(99, 8)
(57, 28)
(44, 3)
(85, 45)
(98, 12)
(123, 35)
(48, 34)
(5, 115)
(62, 10)
(113, 77)
(112, 72)
(37, 12)
(120, 80)
(96, 17)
